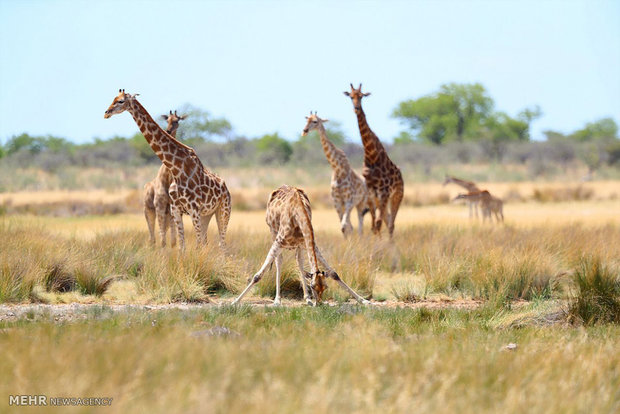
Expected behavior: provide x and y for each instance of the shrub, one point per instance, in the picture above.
(597, 299)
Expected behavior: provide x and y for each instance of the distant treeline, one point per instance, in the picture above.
(457, 124)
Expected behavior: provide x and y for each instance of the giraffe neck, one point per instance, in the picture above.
(465, 184)
(167, 149)
(373, 148)
(334, 156)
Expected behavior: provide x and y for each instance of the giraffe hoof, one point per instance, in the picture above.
(277, 302)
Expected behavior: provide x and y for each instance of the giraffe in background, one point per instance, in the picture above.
(347, 187)
(156, 197)
(470, 186)
(195, 190)
(383, 177)
(289, 218)
(488, 204)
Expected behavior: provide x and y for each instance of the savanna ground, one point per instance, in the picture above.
(466, 317)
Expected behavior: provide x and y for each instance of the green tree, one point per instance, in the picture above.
(201, 126)
(273, 149)
(24, 141)
(605, 128)
(455, 113)
(472, 106)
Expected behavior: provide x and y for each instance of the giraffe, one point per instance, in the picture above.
(156, 197)
(488, 204)
(470, 187)
(347, 187)
(195, 190)
(289, 218)
(383, 177)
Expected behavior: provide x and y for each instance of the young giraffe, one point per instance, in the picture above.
(289, 218)
(195, 191)
(348, 188)
(488, 204)
(470, 187)
(156, 197)
(383, 177)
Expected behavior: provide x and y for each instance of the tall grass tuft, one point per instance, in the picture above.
(597, 299)
(17, 279)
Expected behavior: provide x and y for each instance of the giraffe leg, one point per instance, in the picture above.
(339, 206)
(204, 225)
(222, 216)
(395, 201)
(302, 275)
(361, 207)
(161, 209)
(173, 229)
(149, 214)
(275, 250)
(345, 223)
(277, 301)
(332, 273)
(197, 222)
(383, 201)
(372, 207)
(177, 215)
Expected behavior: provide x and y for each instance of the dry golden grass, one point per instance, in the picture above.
(335, 358)
(331, 359)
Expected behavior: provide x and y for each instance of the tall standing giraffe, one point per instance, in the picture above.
(156, 197)
(383, 177)
(289, 218)
(348, 188)
(471, 187)
(195, 190)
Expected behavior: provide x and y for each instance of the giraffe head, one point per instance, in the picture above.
(173, 122)
(121, 103)
(356, 96)
(318, 285)
(313, 123)
(447, 181)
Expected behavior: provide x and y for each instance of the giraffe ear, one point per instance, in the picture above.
(164, 117)
(366, 94)
(347, 93)
(134, 95)
(324, 120)
(183, 117)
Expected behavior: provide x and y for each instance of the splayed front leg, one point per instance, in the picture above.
(332, 274)
(275, 250)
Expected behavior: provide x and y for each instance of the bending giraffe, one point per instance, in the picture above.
(383, 177)
(289, 218)
(347, 187)
(488, 204)
(156, 197)
(470, 186)
(195, 190)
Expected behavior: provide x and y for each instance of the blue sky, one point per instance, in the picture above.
(265, 64)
